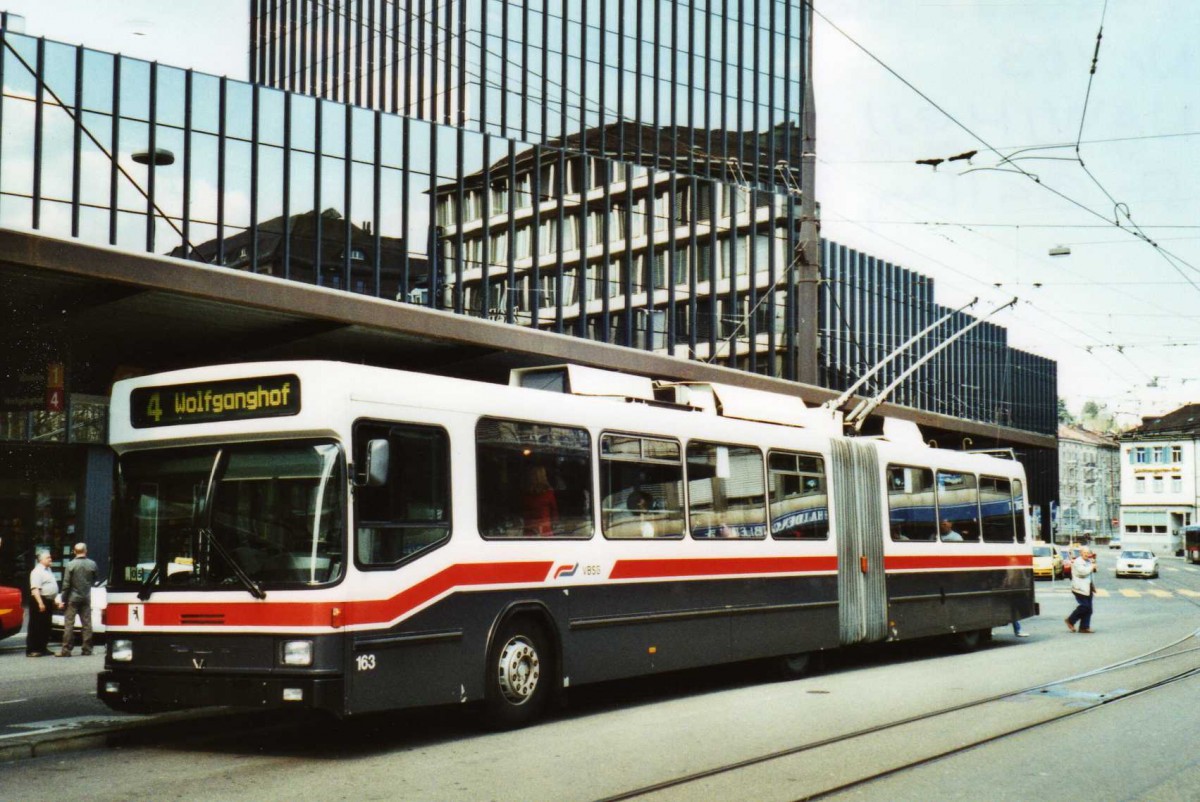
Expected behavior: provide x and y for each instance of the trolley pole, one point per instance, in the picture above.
(808, 272)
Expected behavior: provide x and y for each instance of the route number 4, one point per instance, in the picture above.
(366, 662)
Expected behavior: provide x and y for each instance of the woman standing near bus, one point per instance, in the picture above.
(539, 506)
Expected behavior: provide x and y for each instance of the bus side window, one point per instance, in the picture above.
(533, 479)
(410, 512)
(996, 507)
(799, 496)
(641, 487)
(911, 507)
(726, 496)
(1018, 506)
(958, 505)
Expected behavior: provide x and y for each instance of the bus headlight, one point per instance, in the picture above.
(297, 653)
(122, 650)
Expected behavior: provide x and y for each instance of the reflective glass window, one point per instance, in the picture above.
(641, 487)
(799, 496)
(912, 508)
(534, 479)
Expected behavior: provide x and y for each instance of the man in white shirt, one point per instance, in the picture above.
(948, 533)
(43, 588)
(1083, 585)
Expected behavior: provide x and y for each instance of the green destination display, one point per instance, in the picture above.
(206, 402)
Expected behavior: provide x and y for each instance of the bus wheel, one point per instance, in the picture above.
(967, 641)
(793, 666)
(520, 671)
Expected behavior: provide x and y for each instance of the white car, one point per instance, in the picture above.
(99, 602)
(1137, 563)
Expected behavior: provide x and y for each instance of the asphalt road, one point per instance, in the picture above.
(46, 693)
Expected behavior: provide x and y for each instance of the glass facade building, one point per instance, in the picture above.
(700, 87)
(868, 307)
(626, 172)
(681, 238)
(546, 235)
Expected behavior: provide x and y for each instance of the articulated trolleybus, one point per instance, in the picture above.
(352, 539)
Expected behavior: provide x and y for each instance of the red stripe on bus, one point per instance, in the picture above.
(319, 614)
(948, 562)
(463, 575)
(661, 569)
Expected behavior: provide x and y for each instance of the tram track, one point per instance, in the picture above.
(1078, 702)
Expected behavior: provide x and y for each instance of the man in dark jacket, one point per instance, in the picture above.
(78, 578)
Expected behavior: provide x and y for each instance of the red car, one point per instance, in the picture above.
(12, 614)
(1068, 556)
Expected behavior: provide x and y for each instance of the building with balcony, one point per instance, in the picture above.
(1160, 483)
(1089, 485)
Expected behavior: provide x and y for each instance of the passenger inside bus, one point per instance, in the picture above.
(639, 503)
(539, 505)
(948, 532)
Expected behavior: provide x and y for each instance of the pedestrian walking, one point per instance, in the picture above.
(78, 578)
(43, 587)
(1083, 586)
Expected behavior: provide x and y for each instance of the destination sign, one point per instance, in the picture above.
(208, 402)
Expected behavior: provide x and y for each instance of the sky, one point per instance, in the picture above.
(1119, 315)
(1063, 156)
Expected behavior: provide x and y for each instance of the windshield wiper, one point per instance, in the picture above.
(255, 589)
(148, 584)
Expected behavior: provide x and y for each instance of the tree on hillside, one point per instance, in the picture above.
(1064, 414)
(1098, 418)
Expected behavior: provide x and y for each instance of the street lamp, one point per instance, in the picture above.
(160, 158)
(157, 157)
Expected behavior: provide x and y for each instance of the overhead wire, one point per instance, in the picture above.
(1015, 168)
(1091, 75)
(1016, 311)
(1005, 160)
(1120, 208)
(491, 80)
(432, 19)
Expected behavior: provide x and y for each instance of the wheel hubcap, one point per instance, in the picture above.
(796, 664)
(519, 670)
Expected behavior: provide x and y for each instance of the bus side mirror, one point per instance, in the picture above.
(375, 471)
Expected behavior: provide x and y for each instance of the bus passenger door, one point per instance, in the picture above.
(857, 499)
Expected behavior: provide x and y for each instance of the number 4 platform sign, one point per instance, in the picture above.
(55, 387)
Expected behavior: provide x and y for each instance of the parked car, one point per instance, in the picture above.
(99, 602)
(1068, 556)
(12, 614)
(1137, 563)
(1047, 561)
(1115, 543)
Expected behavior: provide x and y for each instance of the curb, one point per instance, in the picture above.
(108, 733)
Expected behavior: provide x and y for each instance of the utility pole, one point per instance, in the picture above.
(808, 269)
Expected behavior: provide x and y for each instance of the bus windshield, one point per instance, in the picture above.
(247, 516)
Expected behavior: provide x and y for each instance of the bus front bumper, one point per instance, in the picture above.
(143, 692)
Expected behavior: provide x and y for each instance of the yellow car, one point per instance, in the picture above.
(1047, 562)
